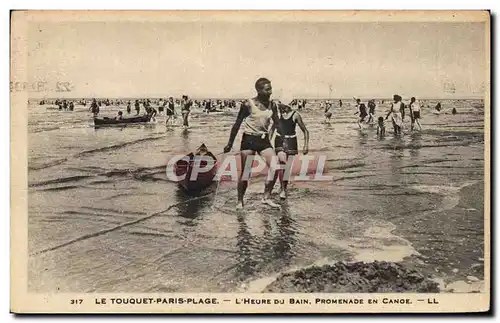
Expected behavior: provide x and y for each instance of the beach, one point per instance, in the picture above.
(103, 217)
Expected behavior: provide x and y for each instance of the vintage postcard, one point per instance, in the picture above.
(250, 162)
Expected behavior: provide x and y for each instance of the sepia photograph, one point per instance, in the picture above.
(250, 153)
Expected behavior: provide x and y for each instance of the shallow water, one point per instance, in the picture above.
(104, 217)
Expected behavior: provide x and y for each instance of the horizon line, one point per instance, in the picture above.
(363, 97)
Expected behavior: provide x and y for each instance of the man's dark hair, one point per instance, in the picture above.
(261, 82)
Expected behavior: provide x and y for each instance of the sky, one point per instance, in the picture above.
(224, 59)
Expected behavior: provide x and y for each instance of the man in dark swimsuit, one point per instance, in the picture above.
(288, 121)
(256, 114)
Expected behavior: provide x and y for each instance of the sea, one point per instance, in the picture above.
(104, 217)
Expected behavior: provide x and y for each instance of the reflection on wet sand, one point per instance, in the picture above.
(185, 134)
(191, 205)
(396, 161)
(416, 142)
(270, 252)
(244, 243)
(285, 240)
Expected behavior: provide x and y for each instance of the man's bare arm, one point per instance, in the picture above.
(242, 114)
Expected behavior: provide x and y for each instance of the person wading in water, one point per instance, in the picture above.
(415, 113)
(137, 107)
(288, 120)
(170, 106)
(371, 111)
(397, 111)
(94, 108)
(256, 114)
(185, 109)
(128, 108)
(362, 112)
(328, 112)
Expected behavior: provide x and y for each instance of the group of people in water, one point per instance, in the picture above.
(167, 107)
(263, 118)
(397, 112)
(65, 105)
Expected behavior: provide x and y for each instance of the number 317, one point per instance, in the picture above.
(76, 301)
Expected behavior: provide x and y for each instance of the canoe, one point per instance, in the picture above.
(204, 179)
(113, 121)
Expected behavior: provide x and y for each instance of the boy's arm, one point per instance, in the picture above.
(302, 127)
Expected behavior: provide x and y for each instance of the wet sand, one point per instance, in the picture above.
(358, 277)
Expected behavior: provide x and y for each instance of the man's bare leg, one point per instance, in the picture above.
(243, 182)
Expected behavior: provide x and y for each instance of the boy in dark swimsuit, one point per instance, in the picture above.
(288, 120)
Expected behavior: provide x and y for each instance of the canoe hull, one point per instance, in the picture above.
(124, 121)
(184, 169)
